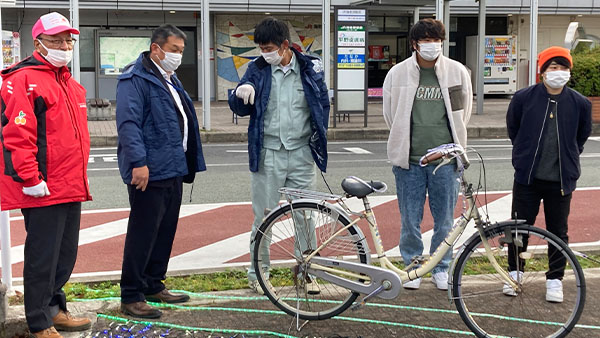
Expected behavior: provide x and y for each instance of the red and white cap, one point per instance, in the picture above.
(52, 24)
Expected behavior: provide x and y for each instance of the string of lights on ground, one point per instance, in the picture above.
(119, 327)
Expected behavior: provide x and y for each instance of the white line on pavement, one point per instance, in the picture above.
(112, 229)
(218, 253)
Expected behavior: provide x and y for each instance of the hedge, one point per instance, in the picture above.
(585, 75)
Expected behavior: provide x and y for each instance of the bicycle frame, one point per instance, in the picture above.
(472, 213)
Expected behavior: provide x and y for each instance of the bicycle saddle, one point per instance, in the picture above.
(354, 186)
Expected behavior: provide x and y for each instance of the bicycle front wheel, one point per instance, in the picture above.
(282, 244)
(490, 307)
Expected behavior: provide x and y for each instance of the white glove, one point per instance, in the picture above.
(246, 93)
(39, 190)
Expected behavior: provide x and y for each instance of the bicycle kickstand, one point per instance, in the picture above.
(299, 326)
(386, 285)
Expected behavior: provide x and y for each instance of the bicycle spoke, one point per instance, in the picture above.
(485, 300)
(287, 238)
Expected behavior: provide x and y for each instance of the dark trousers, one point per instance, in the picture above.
(50, 254)
(526, 205)
(150, 233)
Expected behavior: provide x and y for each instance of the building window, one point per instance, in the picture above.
(87, 49)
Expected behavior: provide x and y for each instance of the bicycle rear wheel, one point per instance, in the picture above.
(283, 242)
(489, 307)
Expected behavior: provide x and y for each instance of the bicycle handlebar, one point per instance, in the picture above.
(430, 157)
(446, 151)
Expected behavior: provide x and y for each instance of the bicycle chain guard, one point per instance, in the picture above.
(376, 274)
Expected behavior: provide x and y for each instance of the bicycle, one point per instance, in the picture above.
(324, 261)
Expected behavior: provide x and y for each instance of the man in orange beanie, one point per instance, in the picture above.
(545, 121)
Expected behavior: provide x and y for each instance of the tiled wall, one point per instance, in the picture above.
(236, 47)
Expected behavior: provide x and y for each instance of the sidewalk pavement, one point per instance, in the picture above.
(224, 129)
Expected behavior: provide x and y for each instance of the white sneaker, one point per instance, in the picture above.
(254, 285)
(554, 291)
(413, 284)
(440, 279)
(517, 276)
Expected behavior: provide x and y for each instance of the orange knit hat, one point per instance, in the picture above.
(553, 52)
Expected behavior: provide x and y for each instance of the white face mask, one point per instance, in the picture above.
(171, 61)
(557, 79)
(57, 57)
(273, 57)
(430, 51)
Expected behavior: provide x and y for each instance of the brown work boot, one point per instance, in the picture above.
(64, 321)
(165, 296)
(140, 310)
(47, 333)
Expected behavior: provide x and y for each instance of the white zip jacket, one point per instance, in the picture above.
(399, 89)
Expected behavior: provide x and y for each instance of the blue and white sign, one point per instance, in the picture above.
(351, 58)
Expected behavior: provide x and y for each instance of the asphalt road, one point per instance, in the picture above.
(228, 177)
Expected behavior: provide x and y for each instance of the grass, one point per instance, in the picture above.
(236, 279)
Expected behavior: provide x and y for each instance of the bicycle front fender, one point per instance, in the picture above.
(475, 237)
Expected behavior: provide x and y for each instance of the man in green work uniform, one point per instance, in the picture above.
(284, 93)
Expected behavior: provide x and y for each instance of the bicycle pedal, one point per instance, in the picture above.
(356, 306)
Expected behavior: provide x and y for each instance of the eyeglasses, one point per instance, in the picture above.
(59, 42)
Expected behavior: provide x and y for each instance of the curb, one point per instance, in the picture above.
(333, 134)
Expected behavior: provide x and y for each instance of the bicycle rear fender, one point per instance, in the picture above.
(335, 208)
(474, 237)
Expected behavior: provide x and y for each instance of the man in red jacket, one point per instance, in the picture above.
(45, 148)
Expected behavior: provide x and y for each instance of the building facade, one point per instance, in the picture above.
(114, 32)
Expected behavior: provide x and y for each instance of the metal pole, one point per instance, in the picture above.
(439, 10)
(326, 33)
(480, 56)
(4, 219)
(533, 27)
(199, 64)
(206, 64)
(447, 24)
(75, 68)
(416, 15)
(5, 243)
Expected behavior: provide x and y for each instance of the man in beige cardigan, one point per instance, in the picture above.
(427, 102)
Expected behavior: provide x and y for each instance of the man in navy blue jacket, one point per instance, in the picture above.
(548, 124)
(284, 93)
(159, 149)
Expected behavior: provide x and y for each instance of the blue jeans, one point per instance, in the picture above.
(412, 186)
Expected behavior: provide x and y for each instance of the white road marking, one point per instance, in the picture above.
(113, 229)
(218, 253)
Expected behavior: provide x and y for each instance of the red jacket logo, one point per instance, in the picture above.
(21, 118)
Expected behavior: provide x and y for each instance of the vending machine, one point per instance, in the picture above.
(11, 48)
(500, 63)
